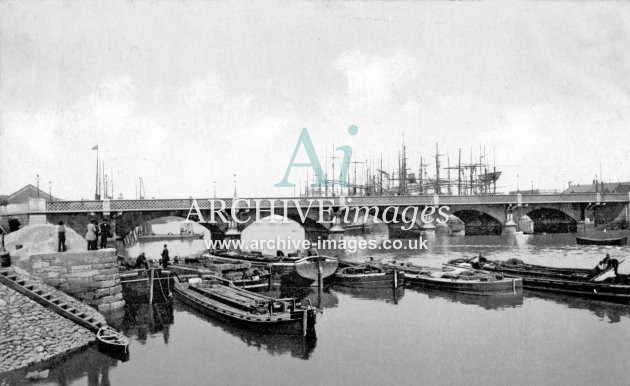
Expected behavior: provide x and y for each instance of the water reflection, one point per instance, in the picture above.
(602, 310)
(142, 320)
(388, 295)
(486, 302)
(88, 364)
(320, 299)
(297, 346)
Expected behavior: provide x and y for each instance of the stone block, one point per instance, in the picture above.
(108, 283)
(104, 307)
(80, 268)
(81, 274)
(77, 280)
(99, 293)
(117, 305)
(115, 290)
(37, 265)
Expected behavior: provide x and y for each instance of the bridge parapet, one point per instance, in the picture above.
(89, 206)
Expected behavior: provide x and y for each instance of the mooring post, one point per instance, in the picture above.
(320, 279)
(151, 286)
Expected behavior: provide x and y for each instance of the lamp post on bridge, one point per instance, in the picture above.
(37, 178)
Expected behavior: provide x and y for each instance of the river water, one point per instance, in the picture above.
(414, 336)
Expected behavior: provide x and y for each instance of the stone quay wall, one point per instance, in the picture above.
(31, 333)
(90, 276)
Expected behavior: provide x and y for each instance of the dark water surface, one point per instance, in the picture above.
(378, 337)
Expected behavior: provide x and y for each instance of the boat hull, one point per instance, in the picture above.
(503, 287)
(297, 324)
(594, 241)
(605, 292)
(378, 280)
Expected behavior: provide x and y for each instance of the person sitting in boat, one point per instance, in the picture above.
(141, 262)
(312, 251)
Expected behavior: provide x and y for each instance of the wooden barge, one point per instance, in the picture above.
(369, 276)
(220, 299)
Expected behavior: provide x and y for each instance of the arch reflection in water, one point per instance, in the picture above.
(602, 310)
(483, 301)
(296, 345)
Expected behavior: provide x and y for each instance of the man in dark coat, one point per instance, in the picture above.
(165, 257)
(105, 231)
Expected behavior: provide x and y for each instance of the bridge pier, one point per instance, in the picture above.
(427, 227)
(232, 232)
(509, 227)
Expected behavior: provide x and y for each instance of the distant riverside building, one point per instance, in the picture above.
(601, 187)
(25, 194)
(21, 196)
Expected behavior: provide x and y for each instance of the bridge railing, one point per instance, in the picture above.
(204, 204)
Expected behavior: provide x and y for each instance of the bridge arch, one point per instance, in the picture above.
(478, 222)
(550, 220)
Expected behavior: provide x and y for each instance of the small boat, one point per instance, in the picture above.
(597, 241)
(220, 299)
(369, 276)
(112, 341)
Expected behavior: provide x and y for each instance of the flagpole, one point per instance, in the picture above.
(96, 195)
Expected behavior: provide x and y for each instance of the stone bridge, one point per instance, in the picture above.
(498, 211)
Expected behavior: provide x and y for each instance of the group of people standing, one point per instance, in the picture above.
(94, 232)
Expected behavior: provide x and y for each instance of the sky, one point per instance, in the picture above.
(186, 93)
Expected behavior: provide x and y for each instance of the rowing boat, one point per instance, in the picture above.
(220, 299)
(112, 341)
